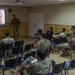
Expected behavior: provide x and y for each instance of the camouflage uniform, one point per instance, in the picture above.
(37, 68)
(47, 44)
(39, 44)
(7, 40)
(70, 33)
(16, 23)
(43, 43)
(63, 35)
(48, 47)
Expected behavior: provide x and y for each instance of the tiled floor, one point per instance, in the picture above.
(55, 56)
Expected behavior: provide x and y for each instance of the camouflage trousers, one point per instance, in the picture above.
(16, 32)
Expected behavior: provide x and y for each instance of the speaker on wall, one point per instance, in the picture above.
(10, 10)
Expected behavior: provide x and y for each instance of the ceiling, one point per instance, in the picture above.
(34, 2)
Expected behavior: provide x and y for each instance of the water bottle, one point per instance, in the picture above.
(22, 60)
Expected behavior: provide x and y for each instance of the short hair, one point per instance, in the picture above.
(51, 28)
(63, 29)
(43, 35)
(41, 52)
(7, 33)
(13, 14)
(73, 27)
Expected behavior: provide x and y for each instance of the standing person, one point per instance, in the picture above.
(16, 24)
(49, 33)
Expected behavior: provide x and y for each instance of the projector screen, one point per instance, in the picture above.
(2, 17)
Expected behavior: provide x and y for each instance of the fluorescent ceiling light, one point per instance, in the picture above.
(61, 0)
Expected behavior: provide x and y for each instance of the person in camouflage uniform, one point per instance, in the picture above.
(42, 66)
(7, 39)
(42, 43)
(16, 24)
(62, 34)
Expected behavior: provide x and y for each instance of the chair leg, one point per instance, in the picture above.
(65, 72)
(61, 73)
(71, 55)
(3, 72)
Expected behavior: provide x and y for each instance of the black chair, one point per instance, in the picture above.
(16, 51)
(70, 67)
(11, 64)
(57, 33)
(56, 41)
(6, 48)
(57, 69)
(1, 54)
(28, 47)
(29, 54)
(39, 31)
(36, 35)
(63, 40)
(71, 49)
(18, 43)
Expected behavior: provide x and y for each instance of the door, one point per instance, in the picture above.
(36, 21)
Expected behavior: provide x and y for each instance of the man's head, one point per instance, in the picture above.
(63, 30)
(41, 53)
(6, 34)
(42, 35)
(51, 28)
(14, 16)
(73, 28)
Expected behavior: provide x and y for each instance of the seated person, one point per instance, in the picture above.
(73, 36)
(42, 43)
(71, 32)
(62, 34)
(8, 39)
(42, 66)
(66, 47)
(49, 33)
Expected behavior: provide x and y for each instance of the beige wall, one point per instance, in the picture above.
(22, 14)
(20, 11)
(57, 14)
(61, 14)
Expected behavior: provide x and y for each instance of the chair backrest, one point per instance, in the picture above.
(63, 39)
(28, 47)
(11, 63)
(1, 54)
(19, 43)
(39, 31)
(29, 54)
(16, 50)
(7, 46)
(56, 40)
(72, 64)
(58, 68)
